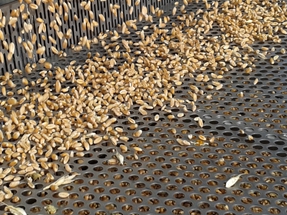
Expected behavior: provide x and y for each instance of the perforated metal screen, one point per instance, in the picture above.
(168, 178)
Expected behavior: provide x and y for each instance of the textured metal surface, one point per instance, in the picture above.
(11, 35)
(172, 179)
(2, 2)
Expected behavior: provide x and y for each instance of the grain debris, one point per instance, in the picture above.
(63, 195)
(233, 180)
(50, 209)
(15, 210)
(120, 157)
(30, 182)
(250, 137)
(255, 81)
(199, 121)
(67, 179)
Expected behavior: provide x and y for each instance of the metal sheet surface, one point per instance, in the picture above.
(171, 179)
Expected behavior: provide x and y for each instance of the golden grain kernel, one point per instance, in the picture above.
(137, 149)
(54, 187)
(16, 134)
(136, 157)
(276, 57)
(9, 56)
(11, 48)
(1, 35)
(112, 161)
(41, 50)
(131, 120)
(248, 70)
(123, 148)
(156, 117)
(33, 6)
(183, 142)
(48, 65)
(54, 50)
(137, 133)
(30, 182)
(144, 10)
(1, 57)
(283, 31)
(125, 139)
(131, 10)
(14, 184)
(142, 111)
(199, 121)
(9, 178)
(174, 11)
(8, 196)
(190, 136)
(98, 140)
(1, 136)
(170, 116)
(58, 86)
(102, 18)
(114, 140)
(12, 101)
(68, 168)
(120, 130)
(211, 140)
(3, 90)
(201, 137)
(13, 21)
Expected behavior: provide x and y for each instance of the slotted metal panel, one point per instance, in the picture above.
(97, 7)
(168, 178)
